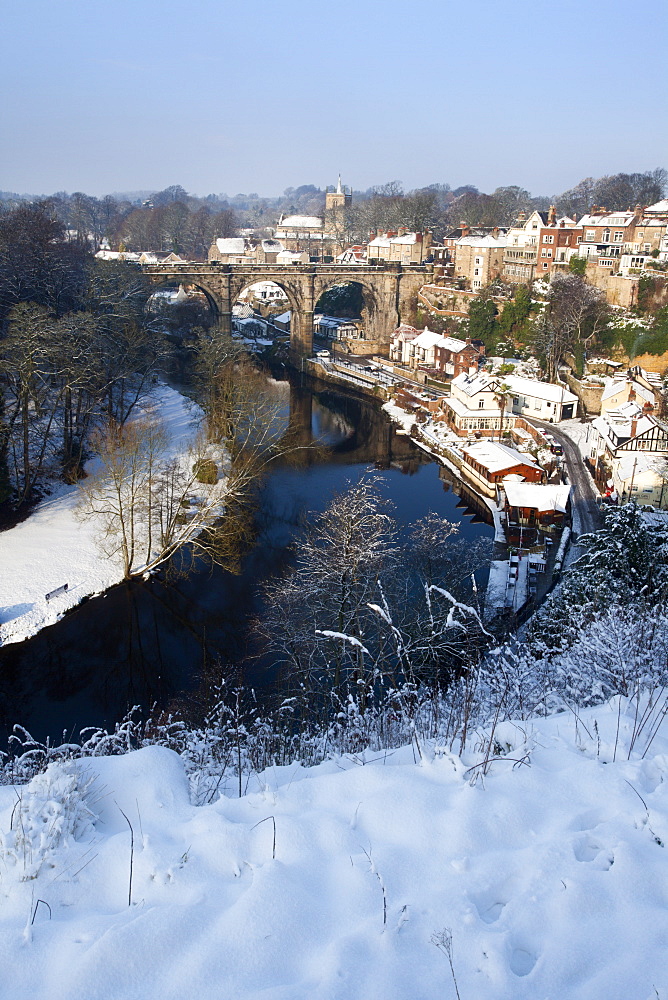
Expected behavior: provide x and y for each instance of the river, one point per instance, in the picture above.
(144, 643)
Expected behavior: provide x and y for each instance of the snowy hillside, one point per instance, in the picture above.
(53, 546)
(549, 872)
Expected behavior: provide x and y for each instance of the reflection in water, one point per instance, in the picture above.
(142, 643)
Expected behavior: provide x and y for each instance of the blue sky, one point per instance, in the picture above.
(260, 95)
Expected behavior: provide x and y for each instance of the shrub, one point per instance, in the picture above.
(206, 471)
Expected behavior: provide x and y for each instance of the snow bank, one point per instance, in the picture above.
(549, 872)
(52, 547)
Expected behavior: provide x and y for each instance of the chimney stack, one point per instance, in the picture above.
(552, 216)
(465, 228)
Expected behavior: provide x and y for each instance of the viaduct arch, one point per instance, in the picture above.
(389, 291)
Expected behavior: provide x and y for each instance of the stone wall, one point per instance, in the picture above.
(589, 395)
(619, 290)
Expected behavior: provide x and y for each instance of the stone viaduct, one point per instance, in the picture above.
(389, 292)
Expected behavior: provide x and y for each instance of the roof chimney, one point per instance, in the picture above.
(465, 228)
(634, 427)
(552, 216)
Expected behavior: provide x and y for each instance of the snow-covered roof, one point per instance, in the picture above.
(483, 241)
(459, 407)
(620, 421)
(427, 339)
(241, 310)
(565, 222)
(614, 385)
(117, 255)
(658, 208)
(300, 222)
(287, 256)
(405, 239)
(540, 390)
(609, 219)
(495, 457)
(283, 317)
(353, 255)
(538, 496)
(634, 463)
(231, 245)
(271, 246)
(453, 344)
(380, 241)
(478, 382)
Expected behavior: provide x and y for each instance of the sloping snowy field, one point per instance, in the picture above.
(551, 876)
(53, 547)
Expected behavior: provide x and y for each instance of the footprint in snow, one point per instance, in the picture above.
(491, 903)
(522, 961)
(588, 850)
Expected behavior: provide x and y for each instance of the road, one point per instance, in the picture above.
(586, 514)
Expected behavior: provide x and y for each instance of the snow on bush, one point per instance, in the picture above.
(51, 812)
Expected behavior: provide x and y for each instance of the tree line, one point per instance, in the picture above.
(173, 219)
(76, 343)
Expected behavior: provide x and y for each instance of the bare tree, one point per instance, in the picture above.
(578, 311)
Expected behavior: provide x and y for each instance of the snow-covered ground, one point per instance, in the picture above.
(53, 547)
(578, 432)
(548, 875)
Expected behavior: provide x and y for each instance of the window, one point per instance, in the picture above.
(543, 253)
(606, 235)
(545, 265)
(619, 236)
(548, 239)
(590, 235)
(647, 247)
(481, 404)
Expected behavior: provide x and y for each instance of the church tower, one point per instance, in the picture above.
(339, 199)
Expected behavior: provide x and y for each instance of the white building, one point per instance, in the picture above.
(629, 446)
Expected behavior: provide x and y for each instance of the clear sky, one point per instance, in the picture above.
(257, 95)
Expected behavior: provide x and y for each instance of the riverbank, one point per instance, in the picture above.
(53, 547)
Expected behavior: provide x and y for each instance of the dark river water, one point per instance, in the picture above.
(146, 643)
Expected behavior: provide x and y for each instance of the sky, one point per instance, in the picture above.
(107, 96)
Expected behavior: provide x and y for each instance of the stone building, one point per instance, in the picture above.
(229, 250)
(521, 254)
(401, 247)
(479, 259)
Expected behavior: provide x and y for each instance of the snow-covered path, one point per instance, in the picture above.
(550, 875)
(53, 547)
